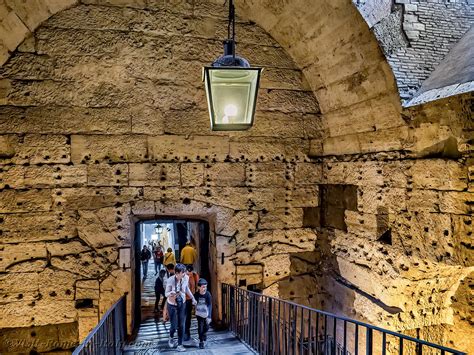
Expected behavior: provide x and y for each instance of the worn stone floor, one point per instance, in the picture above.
(152, 337)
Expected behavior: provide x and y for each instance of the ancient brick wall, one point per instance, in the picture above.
(416, 35)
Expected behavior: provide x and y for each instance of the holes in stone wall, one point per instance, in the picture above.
(84, 303)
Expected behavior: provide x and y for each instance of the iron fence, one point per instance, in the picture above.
(273, 326)
(108, 336)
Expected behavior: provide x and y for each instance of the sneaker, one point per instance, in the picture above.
(180, 348)
(201, 345)
(171, 343)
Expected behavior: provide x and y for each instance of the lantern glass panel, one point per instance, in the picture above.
(232, 96)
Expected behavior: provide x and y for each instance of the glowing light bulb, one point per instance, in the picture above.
(230, 110)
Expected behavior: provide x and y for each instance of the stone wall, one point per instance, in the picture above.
(103, 121)
(401, 254)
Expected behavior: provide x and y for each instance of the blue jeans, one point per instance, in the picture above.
(177, 318)
(145, 268)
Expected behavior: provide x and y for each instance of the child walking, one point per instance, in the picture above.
(203, 310)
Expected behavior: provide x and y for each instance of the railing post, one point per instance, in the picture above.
(270, 327)
(369, 341)
(224, 311)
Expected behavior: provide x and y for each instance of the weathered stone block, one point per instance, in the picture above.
(362, 224)
(456, 202)
(55, 337)
(66, 120)
(56, 284)
(241, 224)
(16, 254)
(25, 201)
(147, 120)
(225, 174)
(183, 148)
(94, 198)
(93, 236)
(266, 149)
(155, 174)
(7, 146)
(306, 196)
(428, 236)
(394, 200)
(108, 148)
(87, 289)
(268, 174)
(251, 274)
(67, 248)
(192, 174)
(35, 149)
(438, 175)
(32, 13)
(281, 218)
(287, 101)
(89, 265)
(13, 30)
(107, 174)
(32, 227)
(237, 198)
(423, 200)
(308, 174)
(462, 235)
(54, 175)
(337, 146)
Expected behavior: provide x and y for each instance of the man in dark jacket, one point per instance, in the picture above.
(145, 256)
(160, 290)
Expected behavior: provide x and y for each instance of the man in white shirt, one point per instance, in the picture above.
(177, 286)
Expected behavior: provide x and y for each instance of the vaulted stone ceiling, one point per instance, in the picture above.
(327, 39)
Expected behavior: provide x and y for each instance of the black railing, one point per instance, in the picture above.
(109, 335)
(273, 326)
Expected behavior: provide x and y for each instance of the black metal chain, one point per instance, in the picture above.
(231, 19)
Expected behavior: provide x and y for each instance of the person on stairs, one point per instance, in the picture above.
(188, 255)
(169, 273)
(145, 256)
(193, 281)
(203, 311)
(177, 287)
(160, 290)
(169, 257)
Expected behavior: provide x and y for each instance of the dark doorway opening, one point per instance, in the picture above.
(167, 233)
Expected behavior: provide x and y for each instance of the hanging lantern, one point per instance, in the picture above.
(158, 229)
(231, 86)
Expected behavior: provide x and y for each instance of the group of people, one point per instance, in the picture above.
(181, 289)
(159, 257)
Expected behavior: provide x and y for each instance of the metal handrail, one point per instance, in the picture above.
(296, 324)
(108, 336)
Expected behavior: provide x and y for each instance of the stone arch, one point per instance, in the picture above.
(122, 145)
